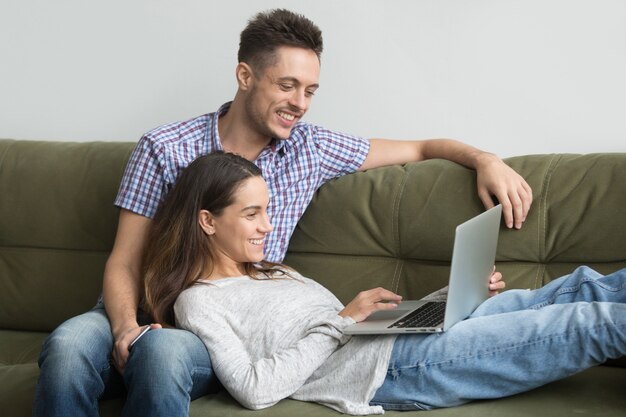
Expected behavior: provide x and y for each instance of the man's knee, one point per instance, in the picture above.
(81, 341)
(169, 362)
(170, 348)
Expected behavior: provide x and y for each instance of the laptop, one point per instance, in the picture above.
(473, 258)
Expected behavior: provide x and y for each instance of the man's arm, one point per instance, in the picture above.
(122, 282)
(494, 177)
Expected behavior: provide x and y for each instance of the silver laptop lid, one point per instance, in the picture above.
(473, 258)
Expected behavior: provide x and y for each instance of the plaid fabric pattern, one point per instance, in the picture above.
(293, 168)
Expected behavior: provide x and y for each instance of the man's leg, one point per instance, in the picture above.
(74, 367)
(584, 284)
(166, 369)
(495, 356)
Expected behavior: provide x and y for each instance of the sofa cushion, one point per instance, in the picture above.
(567, 397)
(395, 226)
(19, 352)
(57, 225)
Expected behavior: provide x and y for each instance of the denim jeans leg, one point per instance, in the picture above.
(584, 284)
(166, 369)
(74, 366)
(500, 355)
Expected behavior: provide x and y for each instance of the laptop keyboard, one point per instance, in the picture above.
(428, 315)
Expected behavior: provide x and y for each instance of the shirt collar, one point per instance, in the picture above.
(276, 146)
(212, 132)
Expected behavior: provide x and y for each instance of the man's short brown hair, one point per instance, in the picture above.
(269, 30)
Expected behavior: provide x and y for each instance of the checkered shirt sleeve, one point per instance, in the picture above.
(143, 184)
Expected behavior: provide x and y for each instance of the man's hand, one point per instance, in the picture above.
(495, 178)
(495, 283)
(121, 347)
(370, 301)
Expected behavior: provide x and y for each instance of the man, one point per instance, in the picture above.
(277, 77)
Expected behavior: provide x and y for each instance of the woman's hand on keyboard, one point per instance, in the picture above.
(370, 301)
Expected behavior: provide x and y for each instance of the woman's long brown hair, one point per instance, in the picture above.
(177, 252)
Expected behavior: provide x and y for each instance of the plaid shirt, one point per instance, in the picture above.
(293, 168)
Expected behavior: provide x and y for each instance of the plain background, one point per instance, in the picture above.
(510, 76)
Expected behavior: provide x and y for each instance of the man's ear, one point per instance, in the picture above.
(244, 75)
(206, 222)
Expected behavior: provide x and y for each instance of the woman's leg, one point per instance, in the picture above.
(499, 355)
(584, 284)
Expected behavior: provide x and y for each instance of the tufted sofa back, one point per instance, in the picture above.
(57, 225)
(390, 227)
(394, 227)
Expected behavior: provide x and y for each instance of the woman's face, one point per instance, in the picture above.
(238, 234)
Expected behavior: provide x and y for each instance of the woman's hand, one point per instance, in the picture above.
(370, 301)
(495, 283)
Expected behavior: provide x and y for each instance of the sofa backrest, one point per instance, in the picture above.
(57, 225)
(390, 227)
(394, 227)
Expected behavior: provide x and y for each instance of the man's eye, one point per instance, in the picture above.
(286, 87)
(310, 93)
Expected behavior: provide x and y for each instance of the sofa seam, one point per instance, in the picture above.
(7, 148)
(395, 282)
(540, 272)
(542, 230)
(44, 248)
(395, 223)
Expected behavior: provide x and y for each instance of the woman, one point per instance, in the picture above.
(273, 334)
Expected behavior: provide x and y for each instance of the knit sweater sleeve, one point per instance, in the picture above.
(259, 383)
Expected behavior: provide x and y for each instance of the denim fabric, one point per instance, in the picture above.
(166, 369)
(513, 342)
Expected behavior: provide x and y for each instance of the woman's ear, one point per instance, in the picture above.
(205, 220)
(244, 75)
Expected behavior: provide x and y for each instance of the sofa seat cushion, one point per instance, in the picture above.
(20, 348)
(19, 371)
(584, 394)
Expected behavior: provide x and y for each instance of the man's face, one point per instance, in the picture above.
(281, 94)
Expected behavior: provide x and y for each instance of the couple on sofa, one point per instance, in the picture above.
(215, 213)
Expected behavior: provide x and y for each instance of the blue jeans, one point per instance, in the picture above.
(166, 369)
(513, 342)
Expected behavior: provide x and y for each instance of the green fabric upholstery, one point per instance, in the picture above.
(390, 227)
(57, 225)
(394, 227)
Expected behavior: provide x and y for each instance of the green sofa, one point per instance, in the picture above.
(390, 227)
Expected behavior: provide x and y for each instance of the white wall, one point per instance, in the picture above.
(511, 76)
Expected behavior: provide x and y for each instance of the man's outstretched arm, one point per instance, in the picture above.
(494, 177)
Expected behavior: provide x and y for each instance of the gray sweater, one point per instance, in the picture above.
(273, 339)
